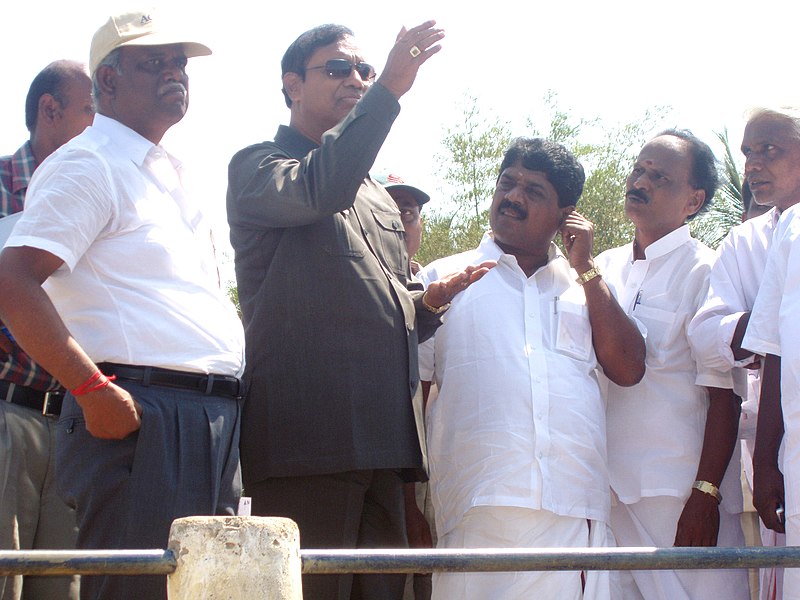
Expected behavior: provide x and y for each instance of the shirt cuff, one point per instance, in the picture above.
(717, 379)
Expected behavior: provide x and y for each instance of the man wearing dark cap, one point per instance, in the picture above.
(409, 200)
(110, 283)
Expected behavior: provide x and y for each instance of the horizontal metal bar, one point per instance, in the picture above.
(87, 562)
(163, 562)
(545, 559)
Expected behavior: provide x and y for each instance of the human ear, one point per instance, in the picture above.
(49, 108)
(107, 79)
(696, 201)
(291, 83)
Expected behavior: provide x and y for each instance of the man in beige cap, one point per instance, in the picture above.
(110, 283)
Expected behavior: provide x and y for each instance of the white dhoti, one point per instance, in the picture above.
(512, 527)
(653, 522)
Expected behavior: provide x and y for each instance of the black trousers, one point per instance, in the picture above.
(356, 509)
(183, 461)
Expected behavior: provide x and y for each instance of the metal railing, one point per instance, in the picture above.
(163, 562)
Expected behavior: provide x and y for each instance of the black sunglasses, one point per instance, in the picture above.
(340, 68)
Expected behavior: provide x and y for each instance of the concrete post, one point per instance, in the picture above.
(235, 558)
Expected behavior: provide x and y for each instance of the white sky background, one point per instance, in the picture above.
(708, 59)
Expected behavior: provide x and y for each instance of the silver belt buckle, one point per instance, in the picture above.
(46, 403)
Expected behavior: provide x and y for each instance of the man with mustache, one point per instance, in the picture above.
(771, 146)
(109, 281)
(517, 433)
(332, 316)
(670, 440)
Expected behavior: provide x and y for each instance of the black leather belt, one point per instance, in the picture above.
(210, 385)
(47, 403)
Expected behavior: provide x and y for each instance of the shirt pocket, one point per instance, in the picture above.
(572, 331)
(391, 240)
(660, 325)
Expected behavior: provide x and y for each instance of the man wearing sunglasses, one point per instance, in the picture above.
(332, 318)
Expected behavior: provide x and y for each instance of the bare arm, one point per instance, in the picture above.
(28, 312)
(699, 522)
(617, 342)
(740, 353)
(768, 487)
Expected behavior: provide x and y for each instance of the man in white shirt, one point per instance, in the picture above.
(669, 444)
(717, 330)
(516, 436)
(110, 275)
(773, 157)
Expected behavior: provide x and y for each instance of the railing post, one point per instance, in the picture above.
(238, 558)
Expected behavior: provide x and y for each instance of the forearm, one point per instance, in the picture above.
(270, 186)
(769, 430)
(721, 434)
(619, 346)
(740, 353)
(427, 322)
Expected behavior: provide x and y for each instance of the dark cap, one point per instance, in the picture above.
(392, 181)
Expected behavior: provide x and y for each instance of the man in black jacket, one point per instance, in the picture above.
(332, 318)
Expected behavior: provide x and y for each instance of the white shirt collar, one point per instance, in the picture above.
(131, 144)
(491, 251)
(668, 243)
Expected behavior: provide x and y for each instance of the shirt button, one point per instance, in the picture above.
(541, 455)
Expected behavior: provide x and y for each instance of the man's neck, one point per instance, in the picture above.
(311, 133)
(41, 147)
(529, 262)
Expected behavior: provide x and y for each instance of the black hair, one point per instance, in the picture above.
(560, 166)
(704, 174)
(296, 57)
(50, 80)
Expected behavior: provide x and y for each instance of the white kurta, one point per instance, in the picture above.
(774, 328)
(656, 428)
(519, 420)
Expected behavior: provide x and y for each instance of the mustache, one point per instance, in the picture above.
(513, 207)
(639, 194)
(171, 87)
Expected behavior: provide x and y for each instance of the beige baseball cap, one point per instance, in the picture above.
(140, 28)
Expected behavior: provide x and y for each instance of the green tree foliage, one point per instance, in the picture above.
(727, 207)
(473, 152)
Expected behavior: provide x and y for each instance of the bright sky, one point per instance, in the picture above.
(709, 60)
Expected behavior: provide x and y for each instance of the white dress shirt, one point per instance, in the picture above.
(656, 427)
(774, 328)
(519, 420)
(139, 284)
(735, 279)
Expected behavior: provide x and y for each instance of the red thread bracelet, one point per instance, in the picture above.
(96, 382)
